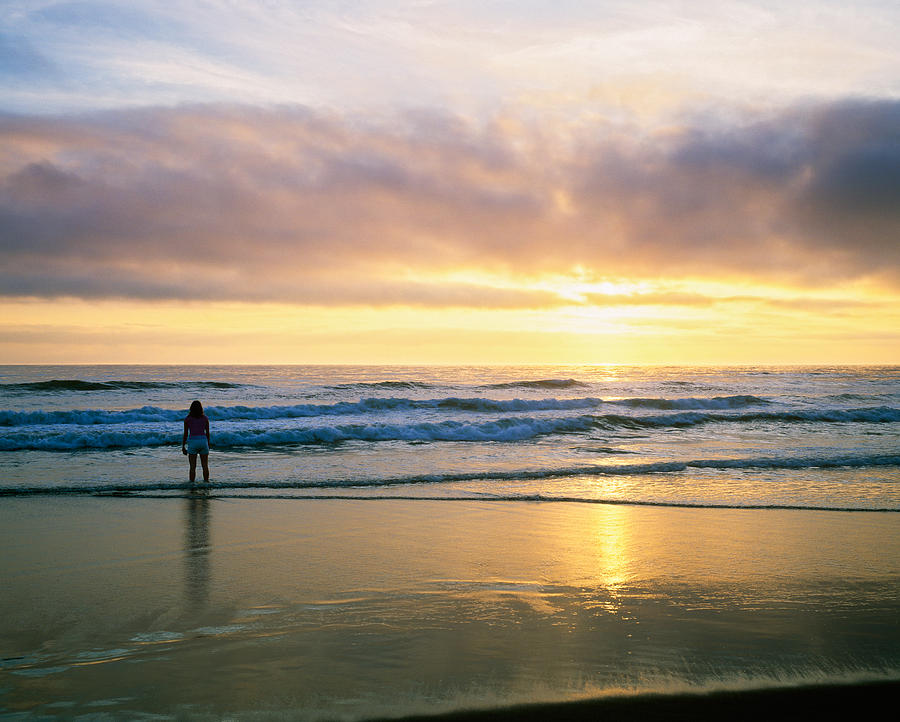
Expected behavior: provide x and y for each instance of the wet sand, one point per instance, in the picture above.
(352, 609)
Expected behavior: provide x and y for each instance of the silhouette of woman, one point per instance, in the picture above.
(196, 440)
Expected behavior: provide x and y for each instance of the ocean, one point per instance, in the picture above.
(381, 540)
(768, 437)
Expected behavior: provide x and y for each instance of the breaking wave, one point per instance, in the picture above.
(503, 429)
(153, 414)
(876, 414)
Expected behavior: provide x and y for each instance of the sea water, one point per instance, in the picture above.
(382, 540)
(768, 437)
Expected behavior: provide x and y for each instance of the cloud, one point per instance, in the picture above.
(462, 54)
(806, 194)
(291, 204)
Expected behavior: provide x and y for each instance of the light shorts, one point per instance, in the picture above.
(197, 445)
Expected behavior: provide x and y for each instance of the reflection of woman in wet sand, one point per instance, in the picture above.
(196, 440)
(197, 548)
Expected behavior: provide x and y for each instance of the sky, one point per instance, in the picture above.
(460, 182)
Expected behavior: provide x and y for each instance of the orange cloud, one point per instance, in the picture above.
(291, 205)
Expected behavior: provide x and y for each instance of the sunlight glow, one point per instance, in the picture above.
(449, 182)
(71, 331)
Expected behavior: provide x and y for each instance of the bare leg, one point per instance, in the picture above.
(192, 460)
(204, 461)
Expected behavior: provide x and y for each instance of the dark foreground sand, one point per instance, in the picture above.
(876, 700)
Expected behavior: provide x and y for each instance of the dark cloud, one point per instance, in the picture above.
(186, 284)
(853, 194)
(810, 194)
(295, 205)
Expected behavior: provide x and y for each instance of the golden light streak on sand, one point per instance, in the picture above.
(612, 535)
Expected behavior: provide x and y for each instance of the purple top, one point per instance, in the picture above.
(196, 425)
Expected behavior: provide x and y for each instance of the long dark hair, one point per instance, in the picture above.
(196, 409)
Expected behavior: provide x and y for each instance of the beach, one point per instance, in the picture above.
(381, 542)
(211, 607)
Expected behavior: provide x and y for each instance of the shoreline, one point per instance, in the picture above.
(209, 491)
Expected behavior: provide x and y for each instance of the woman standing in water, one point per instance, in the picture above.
(196, 440)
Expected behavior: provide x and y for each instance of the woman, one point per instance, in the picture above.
(196, 440)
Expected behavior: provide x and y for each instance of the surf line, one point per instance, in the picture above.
(210, 493)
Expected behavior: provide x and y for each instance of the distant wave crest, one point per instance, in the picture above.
(383, 385)
(79, 385)
(538, 384)
(716, 402)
